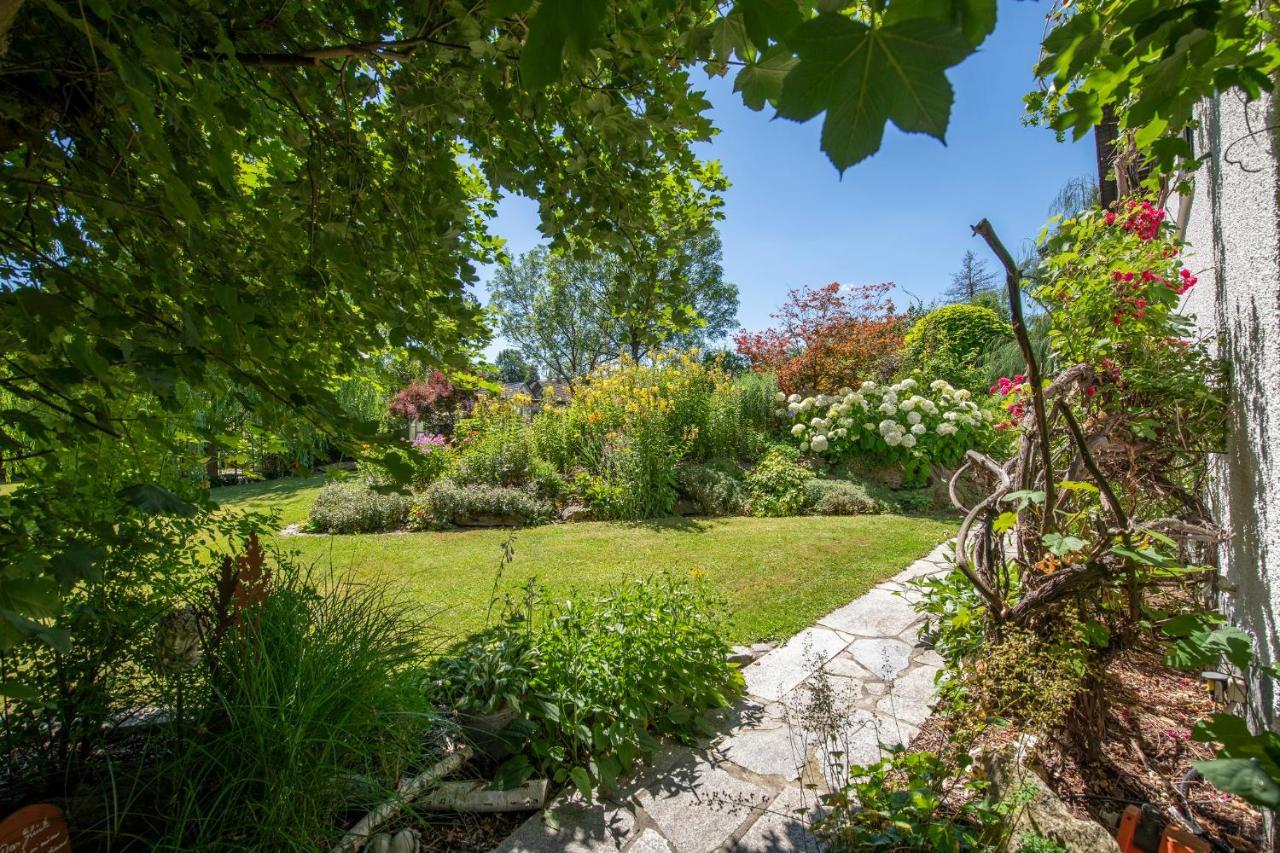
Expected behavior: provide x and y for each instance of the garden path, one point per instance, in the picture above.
(747, 789)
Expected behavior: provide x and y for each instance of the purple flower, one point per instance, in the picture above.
(427, 443)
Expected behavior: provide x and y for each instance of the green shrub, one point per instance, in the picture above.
(949, 343)
(352, 506)
(737, 414)
(546, 481)
(597, 681)
(446, 504)
(638, 474)
(838, 497)
(716, 487)
(777, 485)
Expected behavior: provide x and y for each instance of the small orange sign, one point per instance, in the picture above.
(35, 829)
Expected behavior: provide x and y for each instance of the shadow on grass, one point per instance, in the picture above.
(265, 489)
(675, 523)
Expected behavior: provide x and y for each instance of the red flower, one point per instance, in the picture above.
(1110, 217)
(1090, 391)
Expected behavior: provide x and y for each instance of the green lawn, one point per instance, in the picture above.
(778, 575)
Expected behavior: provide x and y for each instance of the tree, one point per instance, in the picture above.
(973, 280)
(950, 342)
(571, 313)
(512, 367)
(551, 307)
(828, 338)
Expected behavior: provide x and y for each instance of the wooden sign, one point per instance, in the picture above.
(35, 829)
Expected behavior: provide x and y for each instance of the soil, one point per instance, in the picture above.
(1146, 752)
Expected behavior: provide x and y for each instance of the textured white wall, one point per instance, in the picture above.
(1234, 231)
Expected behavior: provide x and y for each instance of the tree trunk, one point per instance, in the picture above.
(1105, 135)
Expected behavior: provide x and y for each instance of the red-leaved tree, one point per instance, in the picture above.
(828, 338)
(423, 400)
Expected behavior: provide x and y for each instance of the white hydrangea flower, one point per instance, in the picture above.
(806, 404)
(793, 409)
(889, 426)
(908, 440)
(930, 407)
(951, 416)
(968, 421)
(845, 391)
(846, 422)
(868, 425)
(913, 417)
(964, 394)
(780, 397)
(890, 397)
(818, 444)
(888, 408)
(798, 429)
(858, 399)
(908, 383)
(794, 398)
(893, 439)
(938, 384)
(822, 400)
(867, 386)
(907, 404)
(779, 412)
(946, 429)
(804, 447)
(817, 423)
(919, 429)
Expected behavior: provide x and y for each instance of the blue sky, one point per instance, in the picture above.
(903, 216)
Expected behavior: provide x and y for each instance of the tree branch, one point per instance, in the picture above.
(1013, 281)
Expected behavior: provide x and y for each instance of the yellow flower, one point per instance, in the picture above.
(696, 573)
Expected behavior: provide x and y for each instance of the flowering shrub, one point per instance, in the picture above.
(1113, 281)
(904, 423)
(351, 506)
(433, 458)
(495, 447)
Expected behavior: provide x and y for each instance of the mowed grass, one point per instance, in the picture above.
(777, 575)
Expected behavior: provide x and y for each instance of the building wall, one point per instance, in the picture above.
(1234, 232)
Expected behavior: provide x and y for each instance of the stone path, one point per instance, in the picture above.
(857, 675)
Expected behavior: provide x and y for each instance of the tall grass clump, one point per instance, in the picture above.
(305, 709)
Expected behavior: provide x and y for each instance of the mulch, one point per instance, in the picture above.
(1145, 754)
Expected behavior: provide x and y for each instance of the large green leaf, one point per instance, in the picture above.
(1243, 777)
(864, 77)
(761, 82)
(557, 26)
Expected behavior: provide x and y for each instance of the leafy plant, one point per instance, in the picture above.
(838, 497)
(602, 678)
(777, 485)
(912, 801)
(353, 506)
(446, 503)
(716, 488)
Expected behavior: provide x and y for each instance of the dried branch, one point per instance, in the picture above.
(1013, 282)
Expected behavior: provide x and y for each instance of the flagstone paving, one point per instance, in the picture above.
(747, 789)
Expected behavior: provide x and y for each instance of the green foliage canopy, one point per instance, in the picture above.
(948, 342)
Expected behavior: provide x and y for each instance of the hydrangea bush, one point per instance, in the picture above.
(908, 422)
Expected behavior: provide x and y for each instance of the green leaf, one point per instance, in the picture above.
(769, 20)
(1095, 633)
(1243, 777)
(1004, 522)
(582, 781)
(15, 690)
(557, 27)
(1059, 544)
(154, 500)
(864, 77)
(761, 82)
